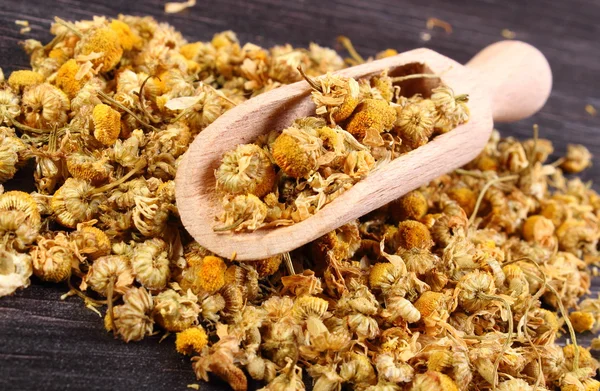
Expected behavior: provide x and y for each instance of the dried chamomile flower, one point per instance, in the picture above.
(324, 59)
(433, 381)
(309, 312)
(18, 80)
(363, 326)
(212, 306)
(413, 234)
(124, 196)
(449, 228)
(586, 360)
(127, 38)
(107, 124)
(219, 359)
(302, 284)
(357, 369)
(574, 235)
(297, 152)
(325, 377)
(439, 360)
(358, 164)
(150, 263)
(246, 170)
(245, 277)
(110, 272)
(429, 302)
(464, 197)
(126, 152)
(133, 319)
(451, 110)
(371, 115)
(193, 255)
(538, 229)
(340, 244)
(45, 106)
(20, 219)
(555, 210)
(234, 301)
(385, 275)
(260, 368)
(211, 274)
(543, 149)
(11, 152)
(474, 290)
(514, 385)
(577, 159)
(543, 326)
(102, 47)
(290, 378)
(582, 321)
(399, 307)
(15, 270)
(54, 258)
(386, 53)
(204, 107)
(413, 206)
(191, 340)
(391, 370)
(382, 87)
(336, 97)
(75, 201)
(414, 124)
(591, 306)
(357, 299)
(83, 166)
(242, 212)
(9, 106)
(268, 266)
(150, 216)
(512, 155)
(176, 312)
(69, 78)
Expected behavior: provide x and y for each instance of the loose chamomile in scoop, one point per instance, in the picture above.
(507, 81)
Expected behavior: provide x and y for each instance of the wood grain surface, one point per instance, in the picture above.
(50, 344)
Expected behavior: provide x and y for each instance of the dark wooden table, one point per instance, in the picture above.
(49, 344)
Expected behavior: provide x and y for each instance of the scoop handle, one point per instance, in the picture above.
(516, 75)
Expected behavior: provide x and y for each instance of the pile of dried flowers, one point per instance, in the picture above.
(462, 284)
(288, 175)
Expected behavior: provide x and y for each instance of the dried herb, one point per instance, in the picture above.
(465, 283)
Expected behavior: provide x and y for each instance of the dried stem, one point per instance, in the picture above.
(347, 44)
(536, 131)
(143, 101)
(231, 226)
(26, 128)
(508, 335)
(288, 263)
(69, 26)
(138, 167)
(310, 80)
(561, 308)
(109, 298)
(525, 317)
(484, 190)
(120, 106)
(415, 76)
(85, 297)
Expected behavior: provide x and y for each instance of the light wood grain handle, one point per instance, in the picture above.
(517, 77)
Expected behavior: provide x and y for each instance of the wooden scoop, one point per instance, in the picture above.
(507, 81)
